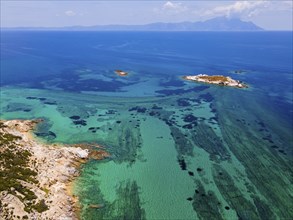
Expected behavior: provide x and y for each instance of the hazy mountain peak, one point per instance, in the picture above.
(227, 24)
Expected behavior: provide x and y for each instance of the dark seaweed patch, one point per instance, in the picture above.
(31, 97)
(50, 103)
(213, 110)
(75, 117)
(182, 164)
(199, 169)
(189, 118)
(200, 88)
(70, 81)
(172, 82)
(190, 173)
(214, 118)
(168, 92)
(111, 112)
(138, 109)
(14, 107)
(192, 121)
(263, 209)
(47, 135)
(80, 122)
(127, 204)
(183, 102)
(283, 152)
(268, 138)
(152, 113)
(93, 129)
(183, 145)
(260, 123)
(206, 138)
(233, 195)
(188, 126)
(77, 85)
(205, 206)
(168, 122)
(37, 98)
(155, 107)
(207, 97)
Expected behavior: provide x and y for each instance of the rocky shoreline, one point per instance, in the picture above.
(35, 177)
(216, 79)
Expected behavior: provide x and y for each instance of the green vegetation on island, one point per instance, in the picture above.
(16, 174)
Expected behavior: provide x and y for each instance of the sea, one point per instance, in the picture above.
(178, 149)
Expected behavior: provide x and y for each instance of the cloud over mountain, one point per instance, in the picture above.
(238, 9)
(247, 9)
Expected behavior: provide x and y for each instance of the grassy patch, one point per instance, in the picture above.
(214, 78)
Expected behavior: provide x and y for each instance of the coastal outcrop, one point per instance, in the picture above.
(121, 73)
(216, 79)
(35, 177)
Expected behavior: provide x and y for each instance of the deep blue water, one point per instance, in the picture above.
(187, 51)
(31, 57)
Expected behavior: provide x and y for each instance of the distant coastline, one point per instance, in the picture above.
(214, 24)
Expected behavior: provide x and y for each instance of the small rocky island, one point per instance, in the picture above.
(216, 79)
(35, 178)
(121, 73)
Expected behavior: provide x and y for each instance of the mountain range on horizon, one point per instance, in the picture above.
(214, 24)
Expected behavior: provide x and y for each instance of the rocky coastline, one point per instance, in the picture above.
(216, 79)
(35, 178)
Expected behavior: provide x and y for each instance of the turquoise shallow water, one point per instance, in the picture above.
(179, 150)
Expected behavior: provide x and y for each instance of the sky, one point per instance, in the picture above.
(268, 14)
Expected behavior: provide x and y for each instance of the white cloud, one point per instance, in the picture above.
(238, 9)
(69, 13)
(284, 5)
(289, 4)
(171, 8)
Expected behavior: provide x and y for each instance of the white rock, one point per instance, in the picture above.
(82, 153)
